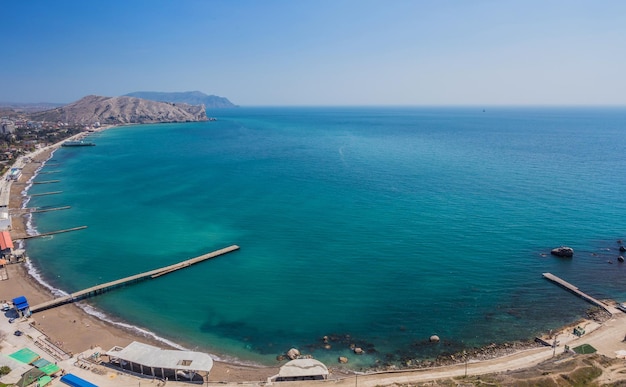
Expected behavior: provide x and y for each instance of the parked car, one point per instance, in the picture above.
(18, 333)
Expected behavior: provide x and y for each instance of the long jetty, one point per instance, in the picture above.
(47, 193)
(46, 182)
(99, 289)
(568, 286)
(34, 210)
(51, 233)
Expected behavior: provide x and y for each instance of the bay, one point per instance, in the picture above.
(376, 226)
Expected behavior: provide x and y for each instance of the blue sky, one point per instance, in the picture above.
(318, 52)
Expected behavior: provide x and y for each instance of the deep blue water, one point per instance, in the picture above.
(384, 224)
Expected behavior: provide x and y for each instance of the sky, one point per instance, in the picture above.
(318, 52)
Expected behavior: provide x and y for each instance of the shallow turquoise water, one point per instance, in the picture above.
(384, 224)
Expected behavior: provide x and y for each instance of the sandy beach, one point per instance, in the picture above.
(75, 331)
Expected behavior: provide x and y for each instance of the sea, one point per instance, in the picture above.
(377, 227)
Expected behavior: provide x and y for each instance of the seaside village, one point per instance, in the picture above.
(30, 358)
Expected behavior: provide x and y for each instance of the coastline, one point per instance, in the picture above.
(76, 330)
(71, 327)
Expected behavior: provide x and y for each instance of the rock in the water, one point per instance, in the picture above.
(343, 359)
(622, 249)
(358, 350)
(563, 251)
(620, 258)
(434, 339)
(293, 354)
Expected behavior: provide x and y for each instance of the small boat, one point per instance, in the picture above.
(78, 143)
(620, 258)
(621, 307)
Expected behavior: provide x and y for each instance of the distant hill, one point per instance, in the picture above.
(190, 97)
(28, 107)
(121, 110)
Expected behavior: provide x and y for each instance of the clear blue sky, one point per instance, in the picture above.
(318, 52)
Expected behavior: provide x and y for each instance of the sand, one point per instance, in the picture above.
(75, 331)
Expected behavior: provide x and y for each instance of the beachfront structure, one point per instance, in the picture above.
(6, 244)
(301, 369)
(5, 219)
(14, 174)
(165, 364)
(21, 306)
(75, 381)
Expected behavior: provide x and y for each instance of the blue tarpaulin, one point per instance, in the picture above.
(75, 381)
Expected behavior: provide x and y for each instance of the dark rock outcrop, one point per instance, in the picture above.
(563, 251)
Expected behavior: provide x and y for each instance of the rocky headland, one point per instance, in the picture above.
(120, 111)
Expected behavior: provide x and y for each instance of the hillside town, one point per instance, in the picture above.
(20, 135)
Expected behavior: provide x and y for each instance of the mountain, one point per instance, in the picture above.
(121, 110)
(190, 97)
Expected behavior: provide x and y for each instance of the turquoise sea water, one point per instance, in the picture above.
(379, 226)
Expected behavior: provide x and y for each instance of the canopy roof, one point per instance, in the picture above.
(75, 381)
(303, 367)
(20, 303)
(25, 355)
(44, 381)
(150, 356)
(50, 369)
(41, 363)
(5, 240)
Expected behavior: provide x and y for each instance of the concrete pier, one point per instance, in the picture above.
(51, 233)
(47, 193)
(566, 285)
(98, 289)
(34, 210)
(46, 182)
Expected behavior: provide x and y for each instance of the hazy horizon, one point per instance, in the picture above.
(321, 53)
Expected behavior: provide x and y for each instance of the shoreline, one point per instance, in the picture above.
(73, 328)
(78, 330)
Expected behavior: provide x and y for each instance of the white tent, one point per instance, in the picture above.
(161, 363)
(302, 369)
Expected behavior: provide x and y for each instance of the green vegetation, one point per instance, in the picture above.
(584, 349)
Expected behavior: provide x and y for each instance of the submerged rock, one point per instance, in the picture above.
(563, 251)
